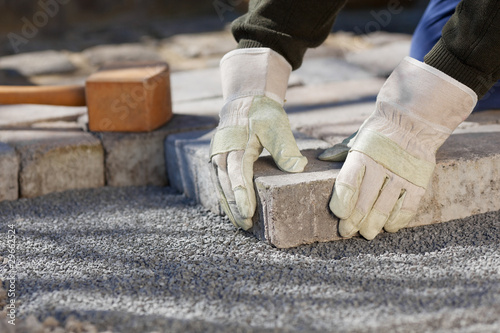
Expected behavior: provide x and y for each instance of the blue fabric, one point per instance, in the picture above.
(427, 34)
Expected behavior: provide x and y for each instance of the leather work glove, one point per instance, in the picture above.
(392, 158)
(254, 83)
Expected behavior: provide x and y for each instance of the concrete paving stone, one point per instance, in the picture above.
(52, 161)
(308, 118)
(206, 44)
(331, 93)
(188, 168)
(382, 60)
(9, 173)
(38, 63)
(138, 158)
(293, 208)
(195, 85)
(102, 54)
(300, 99)
(485, 117)
(28, 114)
(322, 70)
(208, 107)
(379, 38)
(171, 27)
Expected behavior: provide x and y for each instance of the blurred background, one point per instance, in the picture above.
(62, 41)
(77, 24)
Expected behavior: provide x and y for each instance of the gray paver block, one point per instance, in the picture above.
(102, 54)
(187, 159)
(9, 173)
(26, 114)
(380, 60)
(321, 70)
(188, 169)
(38, 63)
(138, 158)
(293, 208)
(52, 161)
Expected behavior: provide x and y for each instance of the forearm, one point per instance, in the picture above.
(286, 26)
(469, 49)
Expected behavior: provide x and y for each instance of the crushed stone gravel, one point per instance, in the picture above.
(146, 259)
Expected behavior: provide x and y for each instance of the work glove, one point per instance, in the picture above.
(392, 158)
(254, 83)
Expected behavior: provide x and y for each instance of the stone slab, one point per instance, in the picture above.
(293, 208)
(381, 60)
(38, 63)
(28, 114)
(188, 168)
(103, 54)
(9, 173)
(322, 70)
(133, 159)
(53, 161)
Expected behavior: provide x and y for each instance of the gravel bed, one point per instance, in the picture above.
(146, 259)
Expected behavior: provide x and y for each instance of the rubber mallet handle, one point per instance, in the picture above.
(72, 95)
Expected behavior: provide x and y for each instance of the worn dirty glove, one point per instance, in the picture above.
(392, 158)
(254, 83)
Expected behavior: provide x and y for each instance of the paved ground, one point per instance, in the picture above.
(144, 259)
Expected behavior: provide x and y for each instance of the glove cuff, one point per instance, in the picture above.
(254, 72)
(428, 95)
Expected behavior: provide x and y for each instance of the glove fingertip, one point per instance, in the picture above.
(343, 201)
(347, 229)
(246, 206)
(292, 164)
(398, 221)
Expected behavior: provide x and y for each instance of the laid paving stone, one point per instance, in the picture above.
(38, 63)
(382, 60)
(198, 86)
(310, 118)
(195, 85)
(133, 159)
(293, 208)
(379, 38)
(187, 157)
(28, 114)
(208, 106)
(52, 161)
(321, 70)
(311, 96)
(202, 44)
(102, 54)
(9, 173)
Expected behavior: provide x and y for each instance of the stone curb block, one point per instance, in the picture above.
(53, 161)
(293, 209)
(187, 159)
(133, 159)
(9, 173)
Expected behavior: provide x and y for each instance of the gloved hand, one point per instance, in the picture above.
(392, 158)
(254, 83)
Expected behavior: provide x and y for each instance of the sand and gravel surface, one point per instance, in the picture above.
(146, 259)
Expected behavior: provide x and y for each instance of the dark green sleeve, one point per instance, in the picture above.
(289, 27)
(469, 49)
